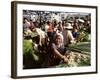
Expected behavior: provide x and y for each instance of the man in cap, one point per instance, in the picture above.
(68, 37)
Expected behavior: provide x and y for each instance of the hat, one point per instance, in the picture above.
(68, 26)
(81, 20)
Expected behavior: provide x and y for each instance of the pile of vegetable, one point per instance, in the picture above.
(76, 59)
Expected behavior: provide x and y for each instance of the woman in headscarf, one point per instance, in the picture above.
(58, 50)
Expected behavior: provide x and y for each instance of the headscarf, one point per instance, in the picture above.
(59, 34)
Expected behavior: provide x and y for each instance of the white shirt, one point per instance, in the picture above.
(46, 28)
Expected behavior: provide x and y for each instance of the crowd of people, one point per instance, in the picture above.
(53, 37)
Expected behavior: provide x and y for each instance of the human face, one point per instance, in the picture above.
(58, 40)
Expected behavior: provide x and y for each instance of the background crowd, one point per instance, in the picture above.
(51, 37)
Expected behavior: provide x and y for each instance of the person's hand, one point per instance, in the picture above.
(73, 41)
(65, 59)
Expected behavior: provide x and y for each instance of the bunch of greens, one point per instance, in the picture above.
(31, 57)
